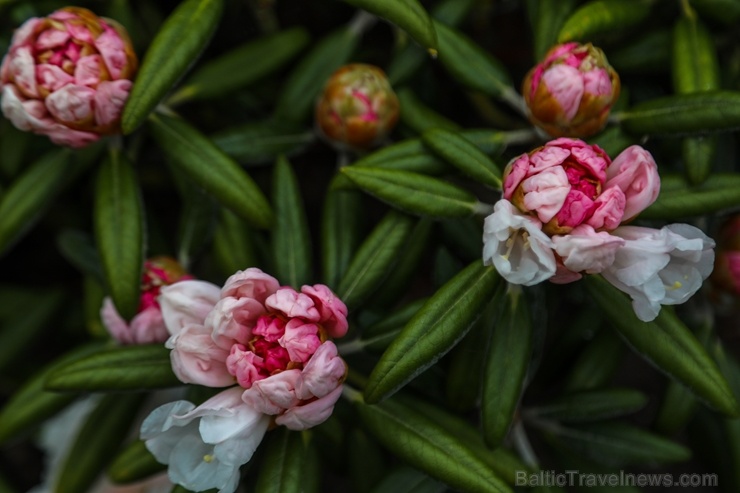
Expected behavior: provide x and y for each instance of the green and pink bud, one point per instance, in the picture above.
(570, 93)
(358, 107)
(68, 76)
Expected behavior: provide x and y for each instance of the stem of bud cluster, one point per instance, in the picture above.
(361, 22)
(483, 209)
(513, 99)
(517, 137)
(351, 347)
(351, 394)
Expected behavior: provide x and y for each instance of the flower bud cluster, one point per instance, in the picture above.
(563, 214)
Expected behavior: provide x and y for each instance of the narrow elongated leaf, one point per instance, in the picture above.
(178, 43)
(695, 113)
(433, 331)
(367, 463)
(676, 409)
(470, 64)
(668, 344)
(134, 463)
(592, 405)
(599, 17)
(31, 405)
(243, 65)
(677, 199)
(233, 244)
(291, 241)
(413, 192)
(263, 142)
(79, 250)
(308, 78)
(375, 258)
(97, 442)
(597, 362)
(547, 21)
(409, 15)
(30, 194)
(419, 116)
(618, 444)
(427, 446)
(379, 336)
(197, 221)
(698, 155)
(195, 155)
(340, 233)
(648, 53)
(725, 11)
(119, 232)
(119, 368)
(506, 368)
(282, 469)
(464, 155)
(408, 480)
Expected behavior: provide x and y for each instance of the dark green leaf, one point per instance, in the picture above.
(375, 258)
(262, 142)
(590, 405)
(119, 232)
(282, 468)
(433, 331)
(242, 66)
(134, 463)
(409, 15)
(367, 462)
(648, 53)
(695, 64)
(79, 249)
(408, 480)
(599, 17)
(97, 442)
(668, 344)
(548, 19)
(677, 199)
(464, 155)
(419, 116)
(291, 242)
(597, 363)
(178, 43)
(204, 163)
(413, 192)
(233, 244)
(505, 370)
(340, 233)
(725, 11)
(676, 409)
(427, 446)
(118, 368)
(378, 336)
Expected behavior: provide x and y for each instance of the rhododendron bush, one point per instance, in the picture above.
(369, 245)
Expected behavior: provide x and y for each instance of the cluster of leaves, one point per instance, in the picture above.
(455, 381)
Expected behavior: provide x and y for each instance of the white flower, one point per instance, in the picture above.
(585, 250)
(205, 446)
(660, 267)
(515, 244)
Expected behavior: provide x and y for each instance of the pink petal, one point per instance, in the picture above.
(274, 394)
(300, 340)
(232, 320)
(311, 414)
(196, 359)
(52, 77)
(71, 103)
(634, 171)
(546, 157)
(51, 38)
(597, 82)
(79, 32)
(22, 69)
(515, 172)
(269, 327)
(114, 323)
(112, 48)
(575, 210)
(322, 374)
(566, 86)
(24, 34)
(87, 71)
(545, 192)
(332, 310)
(244, 365)
(147, 327)
(110, 99)
(187, 303)
(609, 209)
(250, 283)
(293, 304)
(563, 275)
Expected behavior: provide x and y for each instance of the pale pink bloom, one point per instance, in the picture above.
(608, 209)
(635, 173)
(585, 250)
(660, 267)
(571, 91)
(515, 244)
(205, 446)
(61, 80)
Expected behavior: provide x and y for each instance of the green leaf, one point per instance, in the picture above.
(340, 233)
(677, 199)
(470, 64)
(676, 409)
(119, 232)
(30, 194)
(196, 156)
(427, 446)
(291, 242)
(725, 11)
(668, 344)
(419, 116)
(548, 19)
(233, 244)
(378, 336)
(695, 64)
(366, 459)
(375, 258)
(31, 405)
(698, 155)
(263, 142)
(505, 370)
(597, 363)
(180, 40)
(282, 468)
(590, 405)
(465, 156)
(407, 155)
(304, 84)
(197, 220)
(408, 480)
(648, 53)
(118, 368)
(79, 249)
(409, 15)
(613, 140)
(433, 331)
(694, 113)
(618, 444)
(599, 17)
(413, 192)
(97, 442)
(133, 463)
(243, 65)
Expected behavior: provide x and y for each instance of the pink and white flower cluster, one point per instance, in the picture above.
(273, 342)
(68, 76)
(562, 215)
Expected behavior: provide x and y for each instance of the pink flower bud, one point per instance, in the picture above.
(726, 275)
(358, 107)
(148, 325)
(635, 173)
(570, 93)
(67, 76)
